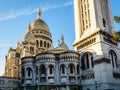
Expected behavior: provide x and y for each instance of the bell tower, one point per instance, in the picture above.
(93, 25)
(91, 15)
(99, 55)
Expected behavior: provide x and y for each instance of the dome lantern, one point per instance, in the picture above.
(39, 24)
(39, 13)
(63, 46)
(62, 38)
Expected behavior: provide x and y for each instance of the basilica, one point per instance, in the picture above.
(94, 64)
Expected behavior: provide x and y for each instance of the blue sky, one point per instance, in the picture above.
(15, 15)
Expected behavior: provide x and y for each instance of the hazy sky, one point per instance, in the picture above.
(15, 15)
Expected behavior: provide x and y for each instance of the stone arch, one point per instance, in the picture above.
(71, 68)
(42, 70)
(110, 48)
(113, 58)
(62, 69)
(29, 71)
(51, 69)
(88, 50)
(78, 69)
(87, 61)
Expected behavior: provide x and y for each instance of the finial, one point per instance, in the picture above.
(62, 38)
(18, 43)
(29, 26)
(39, 13)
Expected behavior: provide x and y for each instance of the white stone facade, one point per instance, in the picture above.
(40, 65)
(52, 71)
(95, 46)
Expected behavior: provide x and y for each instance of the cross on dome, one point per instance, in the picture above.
(62, 38)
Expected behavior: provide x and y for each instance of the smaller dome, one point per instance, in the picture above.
(63, 46)
(29, 37)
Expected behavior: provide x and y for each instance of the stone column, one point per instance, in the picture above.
(85, 63)
(25, 75)
(76, 73)
(57, 73)
(33, 75)
(47, 73)
(38, 74)
(90, 63)
(114, 62)
(67, 74)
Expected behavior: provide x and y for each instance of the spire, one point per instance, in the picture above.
(39, 13)
(29, 26)
(18, 42)
(62, 38)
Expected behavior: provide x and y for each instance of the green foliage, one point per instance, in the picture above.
(116, 37)
(117, 19)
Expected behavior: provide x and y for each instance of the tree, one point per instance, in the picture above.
(116, 35)
(117, 19)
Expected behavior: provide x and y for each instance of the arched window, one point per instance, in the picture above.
(71, 68)
(113, 58)
(42, 70)
(62, 69)
(87, 61)
(29, 71)
(47, 45)
(78, 69)
(40, 43)
(31, 49)
(51, 68)
(44, 43)
(37, 43)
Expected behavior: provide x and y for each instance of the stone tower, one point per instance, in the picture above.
(99, 55)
